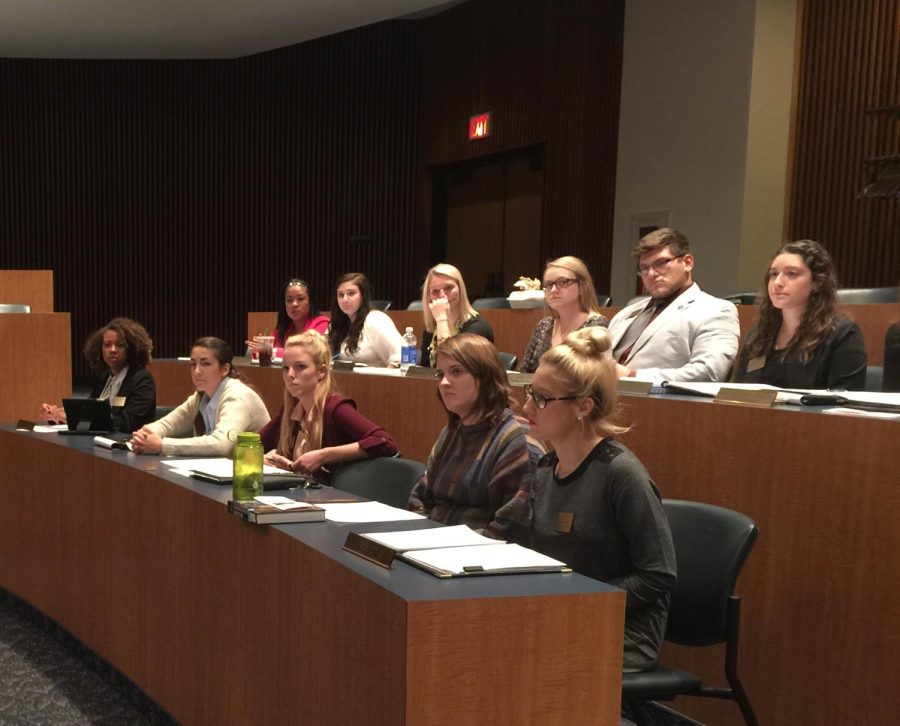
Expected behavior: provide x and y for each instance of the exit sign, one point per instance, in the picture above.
(479, 126)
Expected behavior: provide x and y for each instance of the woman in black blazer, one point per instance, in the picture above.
(119, 353)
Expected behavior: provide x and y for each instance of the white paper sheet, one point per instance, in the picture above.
(220, 466)
(283, 503)
(459, 560)
(365, 512)
(421, 539)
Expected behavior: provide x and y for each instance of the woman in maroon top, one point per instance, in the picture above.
(317, 428)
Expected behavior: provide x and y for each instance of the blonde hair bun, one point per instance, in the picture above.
(593, 341)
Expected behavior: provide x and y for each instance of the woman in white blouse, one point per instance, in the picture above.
(358, 333)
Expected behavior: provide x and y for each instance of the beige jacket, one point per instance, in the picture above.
(240, 409)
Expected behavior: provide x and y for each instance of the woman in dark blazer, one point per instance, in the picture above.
(119, 353)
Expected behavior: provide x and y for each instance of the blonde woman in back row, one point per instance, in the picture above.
(447, 311)
(572, 301)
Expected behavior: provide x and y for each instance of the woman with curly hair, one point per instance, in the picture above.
(800, 340)
(317, 428)
(118, 353)
(358, 333)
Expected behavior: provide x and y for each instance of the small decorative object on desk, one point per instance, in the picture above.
(528, 293)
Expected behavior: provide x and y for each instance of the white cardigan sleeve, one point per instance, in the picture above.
(240, 409)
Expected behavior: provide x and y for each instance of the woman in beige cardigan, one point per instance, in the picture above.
(207, 423)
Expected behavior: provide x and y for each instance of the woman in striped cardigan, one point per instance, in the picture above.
(480, 469)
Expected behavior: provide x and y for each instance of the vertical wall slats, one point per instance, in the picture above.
(849, 58)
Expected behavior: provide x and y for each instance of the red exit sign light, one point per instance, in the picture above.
(479, 126)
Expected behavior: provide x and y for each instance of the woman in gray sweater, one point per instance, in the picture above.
(594, 505)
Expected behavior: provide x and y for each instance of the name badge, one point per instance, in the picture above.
(564, 522)
(755, 364)
(118, 401)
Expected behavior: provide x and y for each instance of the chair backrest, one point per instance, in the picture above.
(867, 295)
(742, 298)
(874, 378)
(415, 305)
(385, 480)
(711, 546)
(380, 304)
(14, 308)
(507, 360)
(162, 411)
(604, 300)
(491, 303)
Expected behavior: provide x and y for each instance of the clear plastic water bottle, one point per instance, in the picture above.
(248, 467)
(409, 351)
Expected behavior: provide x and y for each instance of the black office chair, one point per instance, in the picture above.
(711, 545)
(742, 298)
(874, 378)
(507, 360)
(491, 303)
(163, 411)
(415, 305)
(380, 304)
(604, 300)
(867, 295)
(386, 480)
(14, 308)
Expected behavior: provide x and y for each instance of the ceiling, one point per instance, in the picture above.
(144, 29)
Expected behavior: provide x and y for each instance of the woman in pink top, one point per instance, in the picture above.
(298, 314)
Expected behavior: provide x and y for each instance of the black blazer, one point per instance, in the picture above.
(139, 391)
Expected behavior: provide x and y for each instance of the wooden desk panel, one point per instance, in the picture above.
(35, 363)
(229, 623)
(28, 287)
(820, 629)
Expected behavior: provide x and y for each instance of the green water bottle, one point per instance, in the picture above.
(248, 467)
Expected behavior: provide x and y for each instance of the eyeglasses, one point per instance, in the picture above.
(541, 401)
(560, 284)
(659, 267)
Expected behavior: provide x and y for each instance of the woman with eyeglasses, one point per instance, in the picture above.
(317, 428)
(447, 311)
(594, 505)
(570, 297)
(119, 354)
(479, 471)
(800, 340)
(358, 333)
(297, 312)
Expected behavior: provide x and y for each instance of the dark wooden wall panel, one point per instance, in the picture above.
(848, 65)
(550, 74)
(183, 193)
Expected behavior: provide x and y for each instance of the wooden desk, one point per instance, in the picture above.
(28, 287)
(821, 627)
(35, 363)
(224, 622)
(513, 328)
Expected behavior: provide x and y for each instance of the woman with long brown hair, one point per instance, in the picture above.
(800, 339)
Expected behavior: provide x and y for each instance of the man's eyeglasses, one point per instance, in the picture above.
(560, 284)
(659, 267)
(541, 401)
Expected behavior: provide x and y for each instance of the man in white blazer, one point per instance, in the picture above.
(680, 333)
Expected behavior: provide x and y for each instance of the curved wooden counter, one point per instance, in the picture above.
(224, 622)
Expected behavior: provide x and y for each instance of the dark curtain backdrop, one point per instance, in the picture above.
(849, 63)
(184, 193)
